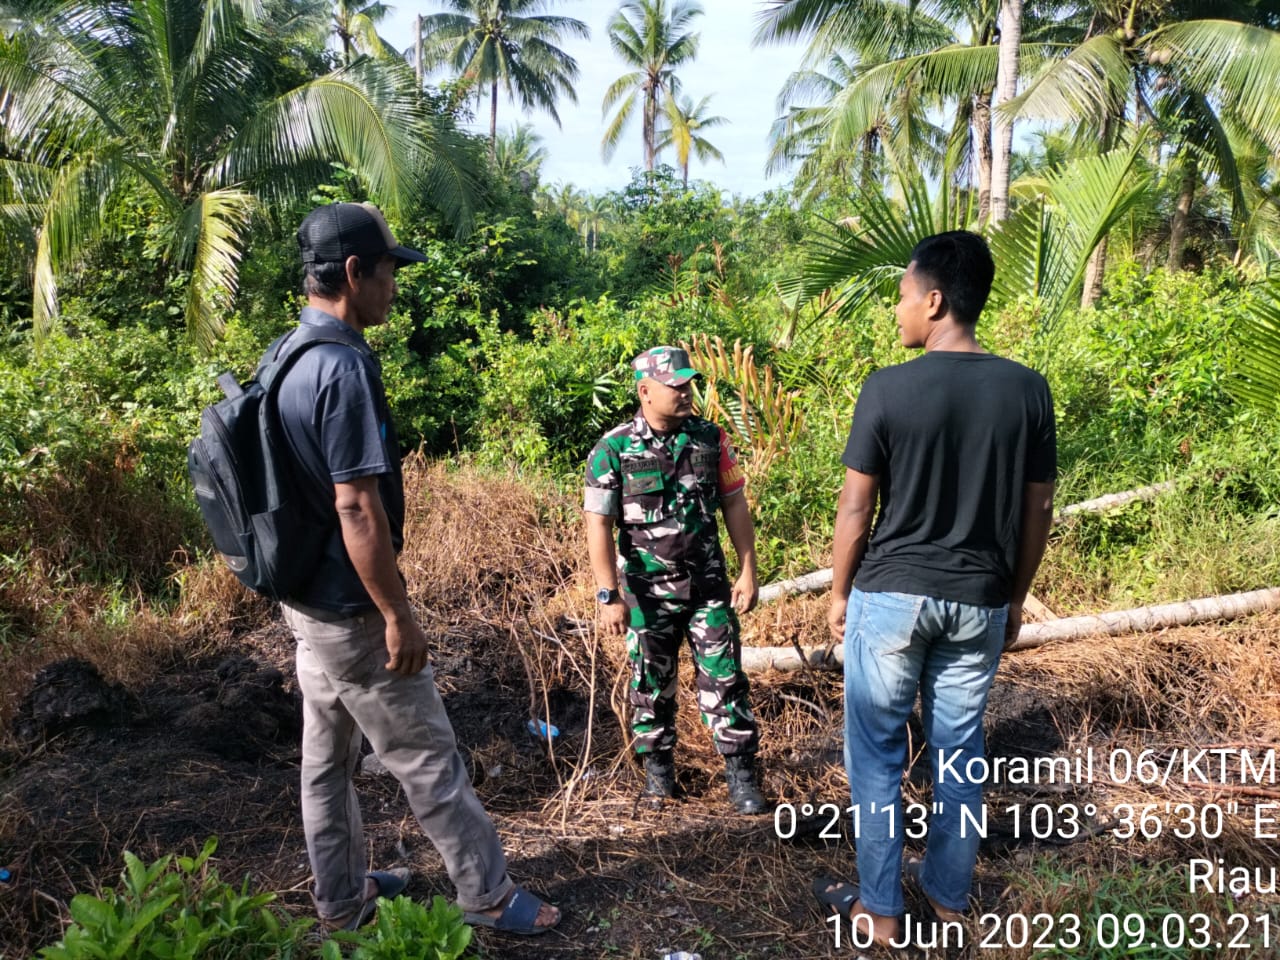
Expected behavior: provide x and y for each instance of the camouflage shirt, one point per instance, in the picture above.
(664, 489)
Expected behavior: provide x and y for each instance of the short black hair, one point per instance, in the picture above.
(958, 263)
(328, 278)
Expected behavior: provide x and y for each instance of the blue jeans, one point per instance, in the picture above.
(894, 643)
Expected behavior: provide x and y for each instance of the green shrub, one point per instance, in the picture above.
(545, 401)
(406, 930)
(1144, 910)
(177, 909)
(1138, 380)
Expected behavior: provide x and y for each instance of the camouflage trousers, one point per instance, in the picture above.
(658, 626)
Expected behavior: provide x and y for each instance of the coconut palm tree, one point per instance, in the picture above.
(653, 37)
(685, 120)
(903, 134)
(1006, 90)
(907, 62)
(594, 214)
(509, 43)
(1207, 87)
(172, 109)
(520, 156)
(356, 26)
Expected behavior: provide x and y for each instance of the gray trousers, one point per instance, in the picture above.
(346, 691)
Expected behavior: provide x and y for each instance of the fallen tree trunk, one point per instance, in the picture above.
(821, 579)
(1107, 501)
(1115, 623)
(809, 583)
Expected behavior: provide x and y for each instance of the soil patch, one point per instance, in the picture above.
(210, 747)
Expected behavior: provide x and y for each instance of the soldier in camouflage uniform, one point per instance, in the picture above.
(661, 477)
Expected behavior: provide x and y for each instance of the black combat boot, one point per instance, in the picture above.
(740, 775)
(659, 775)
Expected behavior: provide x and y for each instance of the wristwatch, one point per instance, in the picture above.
(606, 596)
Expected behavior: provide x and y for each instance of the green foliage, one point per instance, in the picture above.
(432, 395)
(548, 398)
(406, 930)
(189, 106)
(544, 401)
(177, 909)
(661, 226)
(1139, 899)
(1141, 380)
(1216, 533)
(1258, 368)
(1043, 250)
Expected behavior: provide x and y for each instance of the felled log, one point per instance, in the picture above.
(1114, 624)
(1107, 501)
(1118, 623)
(809, 583)
(821, 579)
(1037, 611)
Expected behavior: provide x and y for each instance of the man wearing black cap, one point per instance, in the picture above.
(362, 659)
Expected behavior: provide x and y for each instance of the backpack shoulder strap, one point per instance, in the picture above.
(286, 349)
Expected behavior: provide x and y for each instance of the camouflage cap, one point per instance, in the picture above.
(669, 365)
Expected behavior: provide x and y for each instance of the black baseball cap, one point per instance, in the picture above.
(332, 233)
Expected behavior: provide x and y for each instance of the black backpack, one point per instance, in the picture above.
(268, 525)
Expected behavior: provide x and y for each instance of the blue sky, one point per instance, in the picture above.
(742, 81)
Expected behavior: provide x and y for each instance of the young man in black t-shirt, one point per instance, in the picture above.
(957, 447)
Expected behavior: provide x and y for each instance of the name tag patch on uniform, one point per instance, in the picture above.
(705, 458)
(641, 476)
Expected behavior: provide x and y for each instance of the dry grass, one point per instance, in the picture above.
(498, 571)
(82, 552)
(1180, 690)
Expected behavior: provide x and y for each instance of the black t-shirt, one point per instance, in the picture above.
(953, 438)
(334, 414)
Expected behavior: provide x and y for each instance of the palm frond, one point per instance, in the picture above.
(613, 132)
(25, 182)
(1089, 82)
(864, 255)
(957, 71)
(46, 114)
(876, 29)
(1256, 379)
(221, 20)
(360, 115)
(210, 236)
(73, 218)
(1234, 64)
(952, 73)
(1043, 250)
(365, 33)
(1206, 138)
(1025, 247)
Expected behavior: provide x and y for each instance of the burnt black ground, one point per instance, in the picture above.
(210, 748)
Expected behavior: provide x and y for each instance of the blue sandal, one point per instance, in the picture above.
(391, 884)
(519, 915)
(840, 898)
